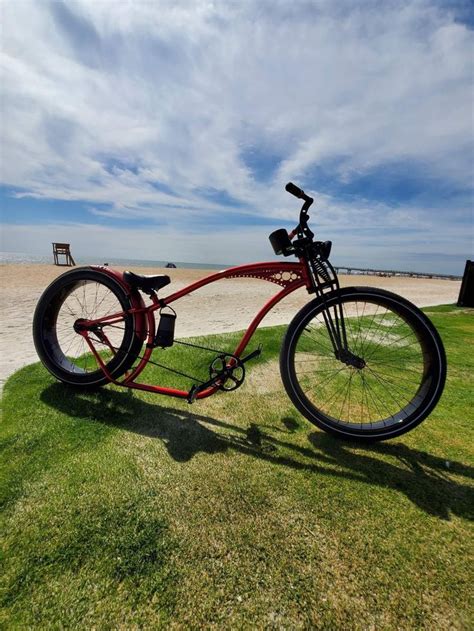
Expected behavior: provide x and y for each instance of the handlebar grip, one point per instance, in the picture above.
(294, 190)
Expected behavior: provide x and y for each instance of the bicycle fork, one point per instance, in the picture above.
(336, 328)
(325, 278)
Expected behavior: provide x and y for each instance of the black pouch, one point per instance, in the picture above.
(165, 335)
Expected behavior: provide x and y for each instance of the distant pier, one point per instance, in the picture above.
(344, 269)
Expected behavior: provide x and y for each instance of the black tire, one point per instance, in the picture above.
(63, 351)
(393, 389)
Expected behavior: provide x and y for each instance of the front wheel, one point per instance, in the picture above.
(389, 381)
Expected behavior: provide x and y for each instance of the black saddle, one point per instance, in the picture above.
(146, 283)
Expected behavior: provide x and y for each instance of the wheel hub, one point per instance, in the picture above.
(80, 325)
(350, 359)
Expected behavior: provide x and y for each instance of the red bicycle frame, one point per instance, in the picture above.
(289, 276)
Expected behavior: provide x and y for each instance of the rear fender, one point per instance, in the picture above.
(136, 299)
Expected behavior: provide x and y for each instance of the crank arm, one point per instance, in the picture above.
(195, 390)
(256, 353)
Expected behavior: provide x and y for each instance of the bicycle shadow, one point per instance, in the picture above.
(426, 480)
(423, 478)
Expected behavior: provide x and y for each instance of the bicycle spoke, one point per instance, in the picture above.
(362, 344)
(368, 391)
(92, 301)
(347, 392)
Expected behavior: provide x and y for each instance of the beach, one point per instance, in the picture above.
(227, 305)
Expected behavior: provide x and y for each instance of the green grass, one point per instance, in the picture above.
(124, 509)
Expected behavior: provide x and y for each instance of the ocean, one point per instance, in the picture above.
(24, 258)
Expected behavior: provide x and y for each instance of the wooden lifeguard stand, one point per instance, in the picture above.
(62, 249)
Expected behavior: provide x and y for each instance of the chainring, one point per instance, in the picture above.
(228, 371)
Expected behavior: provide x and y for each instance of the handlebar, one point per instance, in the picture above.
(281, 239)
(301, 229)
(298, 192)
(294, 190)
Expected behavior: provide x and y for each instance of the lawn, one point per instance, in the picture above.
(125, 509)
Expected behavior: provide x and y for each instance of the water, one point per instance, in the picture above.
(24, 258)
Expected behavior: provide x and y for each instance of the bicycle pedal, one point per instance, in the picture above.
(195, 390)
(192, 394)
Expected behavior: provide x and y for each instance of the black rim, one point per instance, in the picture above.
(387, 384)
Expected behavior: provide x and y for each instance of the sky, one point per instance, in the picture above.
(168, 130)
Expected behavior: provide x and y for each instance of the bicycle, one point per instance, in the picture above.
(359, 362)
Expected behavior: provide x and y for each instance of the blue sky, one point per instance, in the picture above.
(167, 130)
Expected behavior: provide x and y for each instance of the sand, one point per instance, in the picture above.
(227, 305)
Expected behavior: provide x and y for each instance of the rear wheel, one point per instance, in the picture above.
(84, 294)
(388, 383)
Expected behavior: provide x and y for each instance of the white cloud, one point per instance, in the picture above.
(179, 90)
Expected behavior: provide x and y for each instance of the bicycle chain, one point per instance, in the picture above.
(173, 370)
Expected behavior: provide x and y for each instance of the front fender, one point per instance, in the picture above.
(135, 296)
